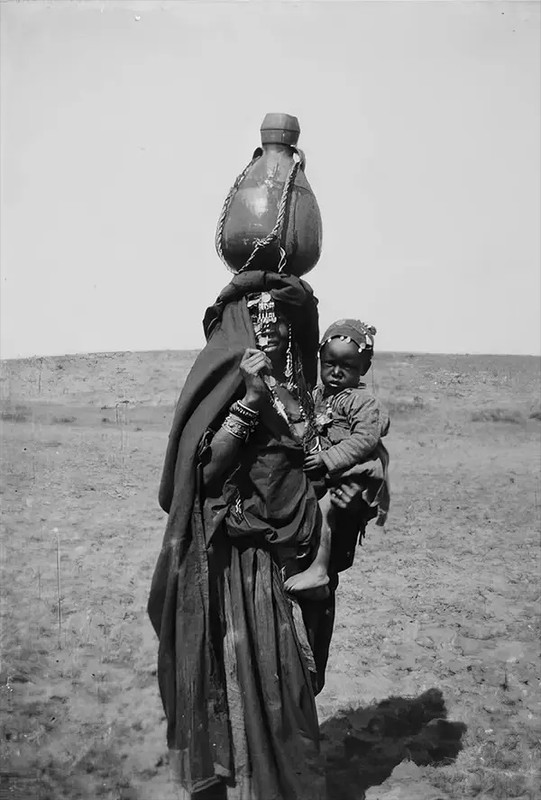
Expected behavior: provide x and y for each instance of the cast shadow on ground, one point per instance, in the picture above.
(362, 746)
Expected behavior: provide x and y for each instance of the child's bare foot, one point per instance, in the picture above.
(321, 593)
(314, 577)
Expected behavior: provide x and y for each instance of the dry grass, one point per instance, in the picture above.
(400, 406)
(17, 414)
(512, 415)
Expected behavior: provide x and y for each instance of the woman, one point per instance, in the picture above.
(239, 662)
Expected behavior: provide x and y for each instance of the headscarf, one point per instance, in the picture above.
(352, 329)
(292, 295)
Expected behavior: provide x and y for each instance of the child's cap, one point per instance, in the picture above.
(352, 330)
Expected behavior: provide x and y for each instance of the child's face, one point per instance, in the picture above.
(342, 366)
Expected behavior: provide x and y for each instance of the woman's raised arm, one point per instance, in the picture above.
(227, 443)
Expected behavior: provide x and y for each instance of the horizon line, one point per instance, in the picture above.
(83, 353)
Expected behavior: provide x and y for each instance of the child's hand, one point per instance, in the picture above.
(314, 465)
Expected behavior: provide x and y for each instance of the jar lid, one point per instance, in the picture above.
(281, 129)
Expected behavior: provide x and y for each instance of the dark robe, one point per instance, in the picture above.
(238, 661)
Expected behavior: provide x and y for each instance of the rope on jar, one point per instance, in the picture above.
(276, 232)
(221, 222)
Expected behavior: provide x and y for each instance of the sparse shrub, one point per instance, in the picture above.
(513, 415)
(404, 405)
(17, 414)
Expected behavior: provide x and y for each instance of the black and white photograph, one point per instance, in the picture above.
(270, 399)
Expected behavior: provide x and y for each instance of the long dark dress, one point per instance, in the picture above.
(263, 525)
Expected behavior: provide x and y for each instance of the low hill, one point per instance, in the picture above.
(433, 381)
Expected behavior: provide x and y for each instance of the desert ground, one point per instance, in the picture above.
(444, 601)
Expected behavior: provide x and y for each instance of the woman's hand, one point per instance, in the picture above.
(346, 495)
(253, 365)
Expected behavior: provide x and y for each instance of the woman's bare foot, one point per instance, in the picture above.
(314, 577)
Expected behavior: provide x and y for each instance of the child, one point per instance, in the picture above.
(350, 424)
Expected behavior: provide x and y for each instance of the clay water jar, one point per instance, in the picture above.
(251, 211)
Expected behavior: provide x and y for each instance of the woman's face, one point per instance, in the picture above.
(273, 338)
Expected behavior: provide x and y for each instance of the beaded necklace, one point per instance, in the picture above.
(262, 311)
(279, 406)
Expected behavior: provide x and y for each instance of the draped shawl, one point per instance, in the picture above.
(190, 669)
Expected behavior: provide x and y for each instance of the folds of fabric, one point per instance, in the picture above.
(189, 671)
(186, 616)
(279, 720)
(279, 506)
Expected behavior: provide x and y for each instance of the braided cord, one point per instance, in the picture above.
(221, 222)
(276, 232)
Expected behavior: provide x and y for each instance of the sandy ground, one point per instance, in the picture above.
(446, 598)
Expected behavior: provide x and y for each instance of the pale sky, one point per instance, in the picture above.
(124, 124)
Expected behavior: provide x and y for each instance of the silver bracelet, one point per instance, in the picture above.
(237, 427)
(248, 415)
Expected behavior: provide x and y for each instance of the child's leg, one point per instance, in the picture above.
(316, 575)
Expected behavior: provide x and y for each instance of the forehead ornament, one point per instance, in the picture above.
(347, 339)
(262, 313)
(351, 330)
